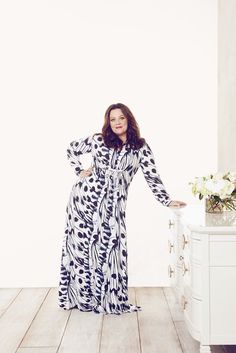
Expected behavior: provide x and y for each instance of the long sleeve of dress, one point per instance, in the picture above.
(75, 149)
(152, 176)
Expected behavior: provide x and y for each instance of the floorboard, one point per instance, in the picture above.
(32, 322)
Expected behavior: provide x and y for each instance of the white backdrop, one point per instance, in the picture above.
(62, 64)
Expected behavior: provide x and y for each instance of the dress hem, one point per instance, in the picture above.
(98, 309)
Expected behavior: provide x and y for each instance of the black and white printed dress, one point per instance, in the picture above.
(93, 275)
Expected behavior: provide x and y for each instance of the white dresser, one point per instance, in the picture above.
(202, 272)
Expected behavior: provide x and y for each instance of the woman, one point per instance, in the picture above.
(94, 252)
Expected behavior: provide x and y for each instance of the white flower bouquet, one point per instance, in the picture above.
(219, 190)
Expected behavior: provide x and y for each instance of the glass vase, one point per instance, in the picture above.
(213, 205)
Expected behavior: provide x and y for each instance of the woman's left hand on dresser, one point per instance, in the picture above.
(177, 204)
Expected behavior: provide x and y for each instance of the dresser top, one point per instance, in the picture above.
(195, 217)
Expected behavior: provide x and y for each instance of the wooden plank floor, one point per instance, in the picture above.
(31, 322)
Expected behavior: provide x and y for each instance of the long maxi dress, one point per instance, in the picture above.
(93, 275)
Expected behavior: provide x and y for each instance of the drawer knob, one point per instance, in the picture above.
(184, 241)
(181, 257)
(171, 271)
(171, 223)
(183, 302)
(171, 246)
(184, 268)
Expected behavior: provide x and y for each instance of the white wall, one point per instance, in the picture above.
(226, 86)
(62, 64)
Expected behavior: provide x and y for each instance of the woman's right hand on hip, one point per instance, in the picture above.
(86, 172)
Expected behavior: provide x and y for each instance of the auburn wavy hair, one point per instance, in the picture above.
(134, 140)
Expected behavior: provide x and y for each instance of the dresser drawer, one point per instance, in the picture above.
(196, 250)
(196, 279)
(190, 244)
(191, 276)
(192, 309)
(222, 253)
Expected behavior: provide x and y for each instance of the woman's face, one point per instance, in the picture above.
(118, 122)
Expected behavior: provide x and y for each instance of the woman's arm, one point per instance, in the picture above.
(152, 176)
(75, 149)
